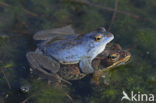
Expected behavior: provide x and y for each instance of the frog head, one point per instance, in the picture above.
(96, 41)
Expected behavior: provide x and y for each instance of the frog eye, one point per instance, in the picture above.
(98, 38)
(114, 56)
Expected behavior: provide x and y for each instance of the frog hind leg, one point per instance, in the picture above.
(54, 33)
(42, 63)
(85, 65)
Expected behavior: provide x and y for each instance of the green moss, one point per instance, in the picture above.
(47, 24)
(3, 38)
(43, 8)
(62, 16)
(9, 65)
(111, 92)
(124, 27)
(43, 93)
(49, 96)
(146, 37)
(131, 80)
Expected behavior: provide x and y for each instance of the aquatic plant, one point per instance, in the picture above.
(43, 93)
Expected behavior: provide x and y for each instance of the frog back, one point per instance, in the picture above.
(66, 51)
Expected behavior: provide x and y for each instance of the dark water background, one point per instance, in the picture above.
(20, 19)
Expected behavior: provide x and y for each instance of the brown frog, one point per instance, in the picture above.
(112, 56)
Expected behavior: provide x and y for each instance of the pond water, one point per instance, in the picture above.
(133, 27)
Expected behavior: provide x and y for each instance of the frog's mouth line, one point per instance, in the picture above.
(120, 62)
(126, 59)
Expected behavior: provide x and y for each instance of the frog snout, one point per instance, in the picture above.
(109, 37)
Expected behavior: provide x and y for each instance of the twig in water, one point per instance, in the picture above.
(114, 14)
(25, 100)
(5, 77)
(4, 4)
(69, 97)
(103, 7)
(25, 10)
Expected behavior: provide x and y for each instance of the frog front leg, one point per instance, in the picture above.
(86, 66)
(96, 77)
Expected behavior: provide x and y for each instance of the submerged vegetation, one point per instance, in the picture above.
(43, 93)
(19, 20)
